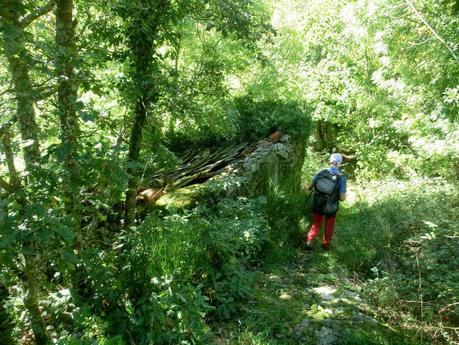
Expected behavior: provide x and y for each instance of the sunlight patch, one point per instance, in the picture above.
(325, 292)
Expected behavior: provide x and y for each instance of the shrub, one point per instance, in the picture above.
(167, 276)
(258, 119)
(404, 239)
(238, 231)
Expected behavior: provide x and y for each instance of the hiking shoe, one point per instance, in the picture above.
(325, 247)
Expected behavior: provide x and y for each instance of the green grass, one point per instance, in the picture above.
(383, 230)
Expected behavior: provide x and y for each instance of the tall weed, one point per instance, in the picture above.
(167, 277)
(404, 239)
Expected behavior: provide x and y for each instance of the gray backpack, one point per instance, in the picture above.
(326, 198)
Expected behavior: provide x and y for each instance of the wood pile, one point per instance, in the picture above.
(198, 165)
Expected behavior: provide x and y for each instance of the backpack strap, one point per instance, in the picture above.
(338, 183)
(321, 172)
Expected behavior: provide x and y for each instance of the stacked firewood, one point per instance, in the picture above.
(198, 165)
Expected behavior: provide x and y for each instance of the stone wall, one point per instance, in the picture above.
(271, 171)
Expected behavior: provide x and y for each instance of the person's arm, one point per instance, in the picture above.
(308, 186)
(312, 185)
(342, 189)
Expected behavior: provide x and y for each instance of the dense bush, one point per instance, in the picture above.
(257, 119)
(160, 282)
(249, 120)
(238, 231)
(407, 253)
(165, 278)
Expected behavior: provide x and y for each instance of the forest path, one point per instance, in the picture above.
(305, 298)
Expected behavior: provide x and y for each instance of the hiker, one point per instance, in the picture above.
(329, 188)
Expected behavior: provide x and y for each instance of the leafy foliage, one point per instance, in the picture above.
(259, 119)
(376, 77)
(407, 253)
(152, 78)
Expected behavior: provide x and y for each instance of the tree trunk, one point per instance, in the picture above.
(14, 181)
(325, 136)
(31, 303)
(133, 157)
(143, 40)
(67, 95)
(3, 211)
(141, 47)
(16, 54)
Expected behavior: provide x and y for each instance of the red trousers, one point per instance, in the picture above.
(317, 219)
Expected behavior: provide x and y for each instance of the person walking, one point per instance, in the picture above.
(329, 188)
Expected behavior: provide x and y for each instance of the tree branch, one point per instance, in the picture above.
(9, 89)
(28, 19)
(445, 308)
(4, 126)
(431, 29)
(6, 186)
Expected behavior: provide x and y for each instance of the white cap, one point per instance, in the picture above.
(336, 158)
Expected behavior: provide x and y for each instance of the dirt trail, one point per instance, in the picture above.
(306, 299)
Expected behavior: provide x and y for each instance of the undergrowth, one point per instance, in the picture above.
(395, 245)
(404, 238)
(182, 268)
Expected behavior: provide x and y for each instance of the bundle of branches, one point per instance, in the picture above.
(198, 165)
